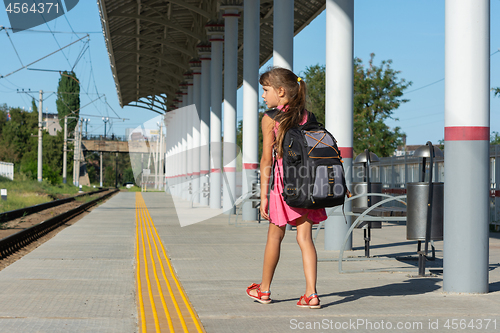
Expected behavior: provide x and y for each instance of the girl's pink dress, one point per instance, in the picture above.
(279, 212)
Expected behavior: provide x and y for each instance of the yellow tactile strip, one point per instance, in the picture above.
(163, 304)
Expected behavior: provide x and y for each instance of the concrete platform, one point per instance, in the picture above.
(83, 280)
(216, 262)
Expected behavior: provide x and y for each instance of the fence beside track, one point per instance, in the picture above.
(14, 214)
(12, 243)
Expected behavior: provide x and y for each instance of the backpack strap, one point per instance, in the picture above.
(311, 118)
(272, 112)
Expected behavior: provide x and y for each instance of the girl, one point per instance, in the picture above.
(287, 92)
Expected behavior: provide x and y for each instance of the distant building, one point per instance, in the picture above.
(409, 149)
(51, 122)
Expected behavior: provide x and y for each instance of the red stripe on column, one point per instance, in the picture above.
(251, 166)
(196, 173)
(229, 169)
(346, 152)
(466, 133)
(494, 193)
(215, 170)
(203, 172)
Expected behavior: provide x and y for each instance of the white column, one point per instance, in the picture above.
(205, 50)
(171, 160)
(189, 134)
(283, 34)
(251, 33)
(168, 143)
(467, 129)
(178, 147)
(216, 32)
(184, 130)
(161, 156)
(230, 86)
(196, 67)
(339, 101)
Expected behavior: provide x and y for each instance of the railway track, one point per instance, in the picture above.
(14, 214)
(14, 242)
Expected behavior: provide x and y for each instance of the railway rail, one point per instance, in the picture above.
(13, 243)
(14, 214)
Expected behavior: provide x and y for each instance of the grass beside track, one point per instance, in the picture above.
(24, 192)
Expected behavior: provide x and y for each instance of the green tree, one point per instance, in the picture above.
(495, 138)
(68, 99)
(315, 79)
(377, 94)
(16, 139)
(128, 176)
(4, 110)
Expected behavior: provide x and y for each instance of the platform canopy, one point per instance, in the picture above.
(151, 42)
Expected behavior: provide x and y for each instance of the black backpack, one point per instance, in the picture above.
(313, 174)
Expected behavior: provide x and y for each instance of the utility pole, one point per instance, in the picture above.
(74, 155)
(80, 153)
(100, 170)
(76, 158)
(116, 170)
(65, 149)
(40, 119)
(40, 128)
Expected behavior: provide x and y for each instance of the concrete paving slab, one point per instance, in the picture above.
(216, 262)
(82, 280)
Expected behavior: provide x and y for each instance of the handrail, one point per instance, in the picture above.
(241, 199)
(331, 212)
(360, 219)
(194, 193)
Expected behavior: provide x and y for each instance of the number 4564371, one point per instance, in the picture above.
(25, 8)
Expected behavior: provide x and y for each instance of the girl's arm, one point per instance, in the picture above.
(266, 162)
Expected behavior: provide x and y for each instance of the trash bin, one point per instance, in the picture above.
(416, 218)
(425, 207)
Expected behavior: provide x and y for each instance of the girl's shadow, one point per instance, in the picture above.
(409, 287)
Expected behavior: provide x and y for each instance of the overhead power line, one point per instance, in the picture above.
(17, 70)
(430, 84)
(57, 32)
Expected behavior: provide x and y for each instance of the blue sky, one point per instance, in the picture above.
(410, 33)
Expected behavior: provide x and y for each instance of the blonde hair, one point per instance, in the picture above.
(296, 91)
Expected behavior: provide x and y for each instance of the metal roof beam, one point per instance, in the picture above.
(192, 8)
(160, 41)
(148, 76)
(181, 65)
(175, 76)
(161, 22)
(148, 85)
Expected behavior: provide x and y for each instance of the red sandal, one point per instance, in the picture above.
(259, 298)
(307, 300)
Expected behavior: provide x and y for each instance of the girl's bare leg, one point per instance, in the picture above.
(309, 257)
(275, 235)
